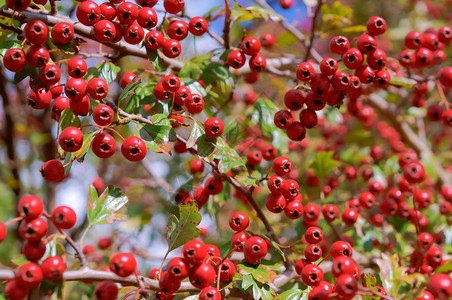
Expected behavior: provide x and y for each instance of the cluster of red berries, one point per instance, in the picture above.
(131, 20)
(200, 263)
(32, 229)
(330, 85)
(254, 248)
(250, 46)
(284, 193)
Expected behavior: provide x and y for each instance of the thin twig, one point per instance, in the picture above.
(11, 28)
(313, 27)
(53, 6)
(227, 24)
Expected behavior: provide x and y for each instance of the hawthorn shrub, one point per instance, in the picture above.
(298, 150)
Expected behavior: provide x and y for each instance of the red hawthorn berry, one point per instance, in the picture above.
(196, 166)
(174, 6)
(171, 48)
(50, 74)
(123, 264)
(40, 99)
(282, 165)
(36, 32)
(330, 212)
(311, 275)
(104, 31)
(53, 268)
(103, 115)
(37, 56)
(133, 34)
(71, 139)
(3, 231)
(294, 99)
(238, 221)
(313, 235)
(213, 127)
(14, 60)
(52, 170)
(294, 209)
(34, 250)
(275, 203)
(202, 275)
(339, 45)
(376, 25)
(30, 207)
(305, 71)
(209, 293)
(255, 249)
(440, 285)
(267, 40)
(269, 152)
(254, 158)
(350, 216)
(283, 119)
(18, 5)
(29, 275)
(103, 145)
(88, 13)
(147, 17)
(328, 66)
(106, 290)
(154, 40)
(198, 26)
(257, 63)
(236, 59)
(167, 284)
(251, 46)
(77, 67)
(64, 217)
(414, 172)
(353, 59)
(346, 286)
(366, 43)
(194, 104)
(313, 252)
(133, 148)
(340, 248)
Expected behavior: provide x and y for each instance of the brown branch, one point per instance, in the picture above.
(53, 7)
(11, 28)
(227, 24)
(387, 111)
(313, 27)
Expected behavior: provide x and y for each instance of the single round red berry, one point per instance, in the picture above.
(104, 31)
(103, 115)
(52, 170)
(209, 293)
(106, 290)
(339, 45)
(236, 59)
(178, 269)
(133, 148)
(53, 268)
(36, 32)
(376, 25)
(34, 250)
(239, 221)
(177, 30)
(147, 17)
(202, 275)
(123, 264)
(213, 127)
(282, 166)
(29, 275)
(134, 34)
(251, 46)
(14, 60)
(71, 139)
(174, 6)
(103, 145)
(64, 217)
(194, 252)
(171, 48)
(88, 13)
(154, 40)
(198, 26)
(311, 275)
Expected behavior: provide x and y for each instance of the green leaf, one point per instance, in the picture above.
(215, 72)
(370, 281)
(27, 71)
(103, 209)
(8, 44)
(402, 81)
(68, 118)
(259, 290)
(248, 180)
(155, 59)
(130, 88)
(446, 268)
(265, 111)
(196, 132)
(232, 132)
(183, 229)
(108, 71)
(294, 294)
(260, 272)
(229, 158)
(206, 145)
(324, 163)
(241, 14)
